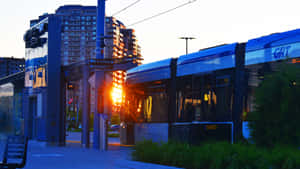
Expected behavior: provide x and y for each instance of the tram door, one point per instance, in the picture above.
(33, 114)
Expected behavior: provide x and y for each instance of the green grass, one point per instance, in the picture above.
(91, 130)
(113, 135)
(74, 130)
(217, 156)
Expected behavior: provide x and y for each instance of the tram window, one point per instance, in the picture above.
(159, 110)
(186, 107)
(148, 106)
(205, 98)
(222, 81)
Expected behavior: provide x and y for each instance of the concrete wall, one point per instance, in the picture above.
(157, 132)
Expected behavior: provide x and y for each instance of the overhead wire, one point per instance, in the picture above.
(162, 13)
(130, 5)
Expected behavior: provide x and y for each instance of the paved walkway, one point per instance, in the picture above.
(74, 157)
(75, 137)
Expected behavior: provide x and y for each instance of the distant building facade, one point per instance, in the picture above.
(10, 66)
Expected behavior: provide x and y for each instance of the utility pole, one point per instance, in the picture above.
(100, 141)
(100, 29)
(100, 80)
(186, 42)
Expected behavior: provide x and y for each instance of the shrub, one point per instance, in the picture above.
(147, 151)
(113, 135)
(277, 114)
(218, 156)
(284, 158)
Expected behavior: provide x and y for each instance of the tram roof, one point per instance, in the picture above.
(274, 47)
(158, 70)
(218, 57)
(272, 40)
(215, 58)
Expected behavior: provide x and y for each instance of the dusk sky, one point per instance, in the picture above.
(211, 22)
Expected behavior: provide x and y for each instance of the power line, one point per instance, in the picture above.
(126, 7)
(161, 13)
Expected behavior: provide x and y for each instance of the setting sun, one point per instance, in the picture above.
(117, 89)
(117, 95)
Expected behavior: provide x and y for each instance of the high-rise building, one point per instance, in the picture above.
(132, 49)
(10, 66)
(79, 32)
(114, 43)
(120, 43)
(78, 36)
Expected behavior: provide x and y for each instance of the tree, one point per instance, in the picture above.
(277, 114)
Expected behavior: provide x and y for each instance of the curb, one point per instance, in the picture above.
(110, 144)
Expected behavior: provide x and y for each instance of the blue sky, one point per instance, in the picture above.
(212, 22)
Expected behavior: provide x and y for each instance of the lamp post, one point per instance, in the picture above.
(186, 42)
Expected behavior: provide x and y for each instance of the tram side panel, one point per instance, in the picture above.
(205, 94)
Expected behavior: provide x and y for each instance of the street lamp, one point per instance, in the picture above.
(186, 42)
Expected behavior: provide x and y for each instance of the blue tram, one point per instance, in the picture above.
(204, 95)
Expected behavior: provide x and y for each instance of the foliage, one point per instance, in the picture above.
(115, 119)
(217, 155)
(277, 113)
(74, 130)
